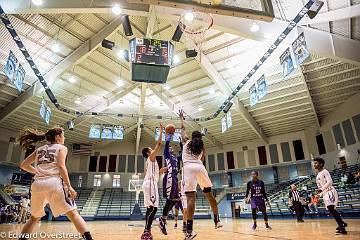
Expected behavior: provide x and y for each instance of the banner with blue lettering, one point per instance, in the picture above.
(42, 110)
(48, 115)
(228, 120)
(262, 87)
(223, 124)
(287, 63)
(10, 66)
(300, 49)
(19, 78)
(253, 95)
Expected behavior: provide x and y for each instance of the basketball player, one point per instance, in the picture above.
(255, 193)
(150, 185)
(328, 192)
(51, 182)
(195, 173)
(170, 182)
(181, 205)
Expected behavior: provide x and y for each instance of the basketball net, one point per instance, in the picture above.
(194, 26)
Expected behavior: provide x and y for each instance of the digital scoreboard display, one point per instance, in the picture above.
(151, 51)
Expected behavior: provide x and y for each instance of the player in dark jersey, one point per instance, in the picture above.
(170, 183)
(256, 195)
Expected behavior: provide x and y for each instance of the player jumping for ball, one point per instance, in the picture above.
(150, 185)
(194, 173)
(51, 182)
(328, 192)
(170, 181)
(255, 193)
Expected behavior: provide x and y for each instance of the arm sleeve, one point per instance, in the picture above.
(247, 190)
(329, 181)
(167, 145)
(263, 191)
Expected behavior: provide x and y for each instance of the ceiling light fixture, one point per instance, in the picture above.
(119, 83)
(72, 79)
(176, 59)
(116, 9)
(37, 2)
(77, 100)
(200, 109)
(166, 87)
(189, 16)
(55, 48)
(255, 27)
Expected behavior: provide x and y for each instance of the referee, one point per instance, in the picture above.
(294, 198)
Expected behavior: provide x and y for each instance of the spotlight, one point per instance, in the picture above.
(77, 101)
(200, 109)
(119, 83)
(55, 48)
(70, 125)
(314, 9)
(116, 9)
(255, 27)
(212, 91)
(177, 34)
(166, 87)
(120, 53)
(72, 79)
(127, 25)
(191, 53)
(189, 16)
(37, 2)
(107, 44)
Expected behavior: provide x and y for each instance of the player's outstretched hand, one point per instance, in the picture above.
(161, 126)
(163, 170)
(181, 114)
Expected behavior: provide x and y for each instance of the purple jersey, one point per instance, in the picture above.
(170, 181)
(257, 193)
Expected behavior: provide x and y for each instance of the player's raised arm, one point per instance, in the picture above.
(184, 136)
(167, 145)
(158, 144)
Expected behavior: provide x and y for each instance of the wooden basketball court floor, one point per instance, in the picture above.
(233, 229)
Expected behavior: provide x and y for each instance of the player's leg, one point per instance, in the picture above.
(262, 208)
(29, 226)
(79, 224)
(190, 184)
(341, 224)
(254, 216)
(184, 211)
(206, 184)
(176, 216)
(162, 220)
(150, 199)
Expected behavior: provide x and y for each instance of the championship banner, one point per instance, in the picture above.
(48, 115)
(287, 63)
(300, 49)
(42, 110)
(223, 124)
(14, 71)
(253, 95)
(19, 78)
(228, 120)
(262, 87)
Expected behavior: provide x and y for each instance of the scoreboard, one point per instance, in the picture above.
(151, 51)
(151, 59)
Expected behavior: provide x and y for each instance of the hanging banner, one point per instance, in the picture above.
(19, 78)
(300, 49)
(253, 95)
(223, 124)
(262, 87)
(287, 63)
(48, 115)
(228, 120)
(10, 66)
(42, 110)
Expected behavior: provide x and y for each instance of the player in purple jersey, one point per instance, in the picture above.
(170, 182)
(256, 195)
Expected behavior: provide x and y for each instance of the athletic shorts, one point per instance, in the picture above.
(258, 204)
(151, 193)
(50, 191)
(331, 197)
(194, 174)
(170, 187)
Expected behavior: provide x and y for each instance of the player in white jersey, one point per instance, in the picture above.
(150, 185)
(194, 173)
(51, 182)
(328, 192)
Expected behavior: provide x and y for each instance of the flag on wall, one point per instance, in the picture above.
(79, 149)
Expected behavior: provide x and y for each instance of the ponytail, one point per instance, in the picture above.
(32, 136)
(196, 145)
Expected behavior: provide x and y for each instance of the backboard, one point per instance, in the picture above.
(252, 9)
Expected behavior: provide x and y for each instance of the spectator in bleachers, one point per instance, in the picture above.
(295, 201)
(357, 178)
(23, 209)
(314, 203)
(343, 180)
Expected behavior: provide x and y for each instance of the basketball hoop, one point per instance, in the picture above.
(194, 25)
(135, 185)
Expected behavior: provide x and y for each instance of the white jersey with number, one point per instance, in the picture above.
(188, 156)
(150, 185)
(325, 183)
(46, 160)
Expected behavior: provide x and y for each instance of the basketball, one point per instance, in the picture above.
(170, 129)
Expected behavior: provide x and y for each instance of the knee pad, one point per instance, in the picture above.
(207, 190)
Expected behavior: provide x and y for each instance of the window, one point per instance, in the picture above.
(79, 183)
(116, 181)
(97, 180)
